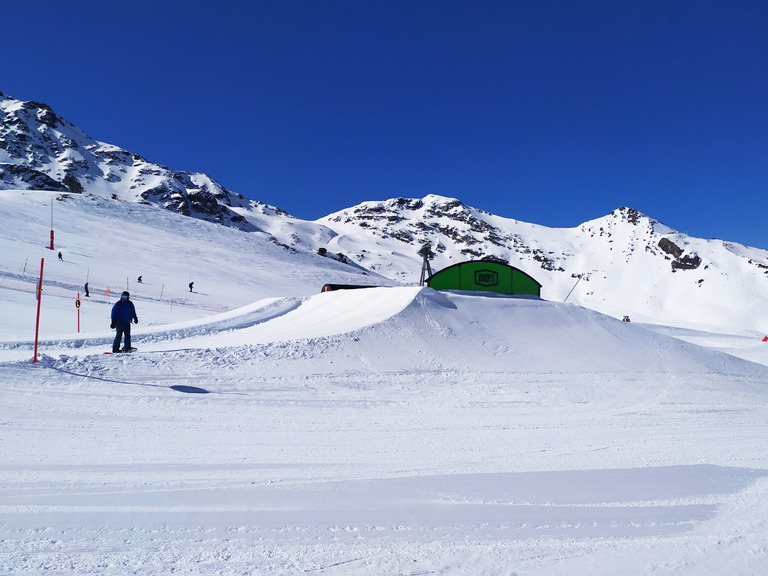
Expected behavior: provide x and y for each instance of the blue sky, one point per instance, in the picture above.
(549, 112)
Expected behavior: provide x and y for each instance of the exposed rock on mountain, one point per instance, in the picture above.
(40, 150)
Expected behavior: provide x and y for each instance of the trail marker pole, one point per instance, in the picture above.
(51, 225)
(39, 298)
(77, 305)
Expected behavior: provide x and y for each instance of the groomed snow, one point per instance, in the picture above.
(266, 428)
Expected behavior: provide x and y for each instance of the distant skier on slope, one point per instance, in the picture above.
(122, 313)
(190, 286)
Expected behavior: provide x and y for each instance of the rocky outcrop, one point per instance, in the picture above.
(686, 262)
(13, 176)
(670, 247)
(680, 260)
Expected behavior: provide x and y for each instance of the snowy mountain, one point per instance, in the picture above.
(39, 150)
(623, 264)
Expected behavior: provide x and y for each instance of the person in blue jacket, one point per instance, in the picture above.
(122, 313)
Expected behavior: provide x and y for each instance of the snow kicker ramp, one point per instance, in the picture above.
(388, 329)
(406, 328)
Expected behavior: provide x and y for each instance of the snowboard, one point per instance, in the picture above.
(122, 351)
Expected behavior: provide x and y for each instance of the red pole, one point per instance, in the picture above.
(39, 298)
(51, 239)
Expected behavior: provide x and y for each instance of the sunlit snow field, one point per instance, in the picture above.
(264, 427)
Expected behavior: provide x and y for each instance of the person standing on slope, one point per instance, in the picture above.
(122, 313)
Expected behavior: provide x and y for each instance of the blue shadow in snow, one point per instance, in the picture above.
(176, 388)
(189, 389)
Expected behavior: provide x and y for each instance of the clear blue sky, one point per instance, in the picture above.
(552, 112)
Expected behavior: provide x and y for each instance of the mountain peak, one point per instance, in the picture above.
(40, 150)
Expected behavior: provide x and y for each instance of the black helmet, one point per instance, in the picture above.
(126, 294)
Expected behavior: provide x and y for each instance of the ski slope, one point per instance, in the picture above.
(387, 430)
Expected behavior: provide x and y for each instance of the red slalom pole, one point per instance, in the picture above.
(39, 298)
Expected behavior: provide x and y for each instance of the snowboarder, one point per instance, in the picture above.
(87, 294)
(61, 258)
(139, 279)
(122, 313)
(190, 286)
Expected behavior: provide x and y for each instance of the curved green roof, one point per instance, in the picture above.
(485, 276)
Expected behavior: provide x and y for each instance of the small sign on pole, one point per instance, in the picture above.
(77, 305)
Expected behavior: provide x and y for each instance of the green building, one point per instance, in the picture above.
(486, 277)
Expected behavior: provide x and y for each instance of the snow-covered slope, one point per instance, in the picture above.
(264, 427)
(109, 244)
(387, 430)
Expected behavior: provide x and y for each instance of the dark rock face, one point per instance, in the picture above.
(680, 262)
(687, 262)
(15, 176)
(670, 247)
(628, 214)
(73, 184)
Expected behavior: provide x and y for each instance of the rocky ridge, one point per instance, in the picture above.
(42, 151)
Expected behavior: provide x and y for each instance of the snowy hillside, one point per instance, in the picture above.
(623, 264)
(110, 243)
(264, 427)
